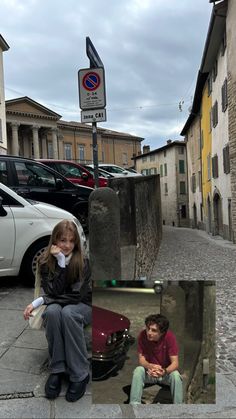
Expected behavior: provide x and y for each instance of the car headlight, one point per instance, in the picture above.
(111, 338)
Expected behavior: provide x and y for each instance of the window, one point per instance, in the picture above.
(50, 151)
(214, 70)
(144, 159)
(215, 167)
(3, 173)
(166, 188)
(226, 160)
(81, 152)
(1, 131)
(181, 150)
(34, 175)
(152, 157)
(215, 114)
(224, 96)
(183, 211)
(68, 151)
(209, 166)
(124, 159)
(193, 183)
(153, 171)
(181, 166)
(161, 170)
(164, 153)
(223, 43)
(182, 188)
(200, 180)
(165, 167)
(209, 84)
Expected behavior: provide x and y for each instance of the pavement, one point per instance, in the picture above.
(184, 254)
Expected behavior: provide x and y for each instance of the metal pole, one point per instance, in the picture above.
(95, 154)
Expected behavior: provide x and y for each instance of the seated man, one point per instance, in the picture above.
(158, 360)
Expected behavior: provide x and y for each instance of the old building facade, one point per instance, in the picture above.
(38, 132)
(3, 136)
(170, 163)
(211, 106)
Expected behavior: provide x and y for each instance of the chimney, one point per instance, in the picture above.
(146, 149)
(169, 141)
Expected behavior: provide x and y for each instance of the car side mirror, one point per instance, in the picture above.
(84, 176)
(3, 212)
(59, 184)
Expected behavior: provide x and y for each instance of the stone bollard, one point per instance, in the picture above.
(104, 235)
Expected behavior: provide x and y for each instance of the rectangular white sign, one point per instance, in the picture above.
(94, 115)
(92, 88)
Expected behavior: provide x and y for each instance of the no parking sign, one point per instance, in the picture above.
(92, 88)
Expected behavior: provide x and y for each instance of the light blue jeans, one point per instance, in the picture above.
(140, 378)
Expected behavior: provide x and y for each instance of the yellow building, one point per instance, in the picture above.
(38, 132)
(206, 140)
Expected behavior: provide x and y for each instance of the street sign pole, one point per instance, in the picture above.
(94, 61)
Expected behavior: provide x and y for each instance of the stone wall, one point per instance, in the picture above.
(140, 224)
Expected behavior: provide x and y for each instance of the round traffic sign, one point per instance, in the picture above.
(91, 81)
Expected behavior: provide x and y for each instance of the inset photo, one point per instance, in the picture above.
(153, 342)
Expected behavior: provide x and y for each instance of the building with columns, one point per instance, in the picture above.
(3, 136)
(38, 132)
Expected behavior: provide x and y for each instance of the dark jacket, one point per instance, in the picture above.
(58, 289)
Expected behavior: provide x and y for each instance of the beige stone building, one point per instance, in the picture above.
(170, 162)
(38, 132)
(3, 137)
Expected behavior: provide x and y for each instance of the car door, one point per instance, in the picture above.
(35, 181)
(7, 228)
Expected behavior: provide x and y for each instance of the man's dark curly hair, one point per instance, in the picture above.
(161, 321)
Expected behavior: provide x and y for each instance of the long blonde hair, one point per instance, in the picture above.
(76, 264)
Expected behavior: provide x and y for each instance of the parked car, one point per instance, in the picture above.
(111, 341)
(26, 227)
(34, 180)
(101, 172)
(74, 172)
(115, 170)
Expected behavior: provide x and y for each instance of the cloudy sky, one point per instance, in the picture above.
(151, 50)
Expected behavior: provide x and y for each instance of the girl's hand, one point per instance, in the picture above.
(55, 250)
(28, 311)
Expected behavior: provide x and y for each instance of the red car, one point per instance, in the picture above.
(111, 341)
(74, 172)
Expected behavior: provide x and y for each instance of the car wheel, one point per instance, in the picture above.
(30, 260)
(158, 288)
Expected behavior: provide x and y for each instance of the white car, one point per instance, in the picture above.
(25, 229)
(115, 170)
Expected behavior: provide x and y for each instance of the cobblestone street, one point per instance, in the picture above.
(192, 254)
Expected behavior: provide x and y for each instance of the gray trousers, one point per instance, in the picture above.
(66, 341)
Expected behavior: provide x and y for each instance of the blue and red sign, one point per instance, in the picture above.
(91, 81)
(92, 88)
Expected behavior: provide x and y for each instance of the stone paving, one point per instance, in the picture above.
(193, 254)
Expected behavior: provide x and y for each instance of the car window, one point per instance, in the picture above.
(113, 169)
(3, 173)
(68, 170)
(8, 200)
(34, 175)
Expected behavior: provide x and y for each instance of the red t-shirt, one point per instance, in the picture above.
(158, 352)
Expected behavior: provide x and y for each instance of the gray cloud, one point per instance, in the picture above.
(151, 50)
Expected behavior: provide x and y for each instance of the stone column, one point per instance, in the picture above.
(54, 143)
(15, 139)
(44, 147)
(60, 146)
(35, 129)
